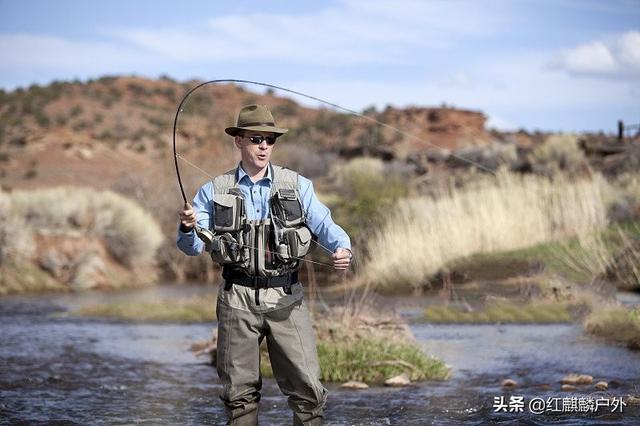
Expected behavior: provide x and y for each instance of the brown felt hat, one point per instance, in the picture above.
(257, 118)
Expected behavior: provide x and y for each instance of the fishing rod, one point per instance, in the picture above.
(205, 234)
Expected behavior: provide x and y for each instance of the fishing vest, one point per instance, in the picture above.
(265, 247)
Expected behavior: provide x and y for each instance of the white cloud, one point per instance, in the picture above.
(628, 50)
(344, 34)
(611, 58)
(26, 51)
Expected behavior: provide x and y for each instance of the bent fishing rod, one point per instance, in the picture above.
(205, 234)
(297, 93)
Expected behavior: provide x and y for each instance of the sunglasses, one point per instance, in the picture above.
(257, 140)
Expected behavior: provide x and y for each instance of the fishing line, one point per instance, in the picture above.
(276, 253)
(304, 95)
(180, 109)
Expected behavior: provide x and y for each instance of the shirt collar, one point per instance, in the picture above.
(242, 173)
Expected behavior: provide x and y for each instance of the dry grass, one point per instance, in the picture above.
(423, 234)
(616, 324)
(613, 254)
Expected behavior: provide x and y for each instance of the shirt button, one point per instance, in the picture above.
(258, 210)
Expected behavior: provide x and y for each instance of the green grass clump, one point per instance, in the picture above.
(370, 360)
(502, 312)
(369, 348)
(195, 309)
(373, 360)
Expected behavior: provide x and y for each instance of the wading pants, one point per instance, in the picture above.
(285, 323)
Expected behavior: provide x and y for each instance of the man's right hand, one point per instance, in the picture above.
(187, 218)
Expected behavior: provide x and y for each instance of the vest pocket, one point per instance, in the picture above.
(287, 208)
(227, 212)
(298, 241)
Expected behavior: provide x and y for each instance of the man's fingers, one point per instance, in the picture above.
(341, 259)
(187, 216)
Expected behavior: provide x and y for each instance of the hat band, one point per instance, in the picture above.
(258, 123)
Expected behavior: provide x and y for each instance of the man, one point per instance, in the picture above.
(257, 222)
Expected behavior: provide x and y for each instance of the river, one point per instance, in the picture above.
(60, 369)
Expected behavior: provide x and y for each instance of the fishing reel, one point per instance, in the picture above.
(223, 248)
(205, 235)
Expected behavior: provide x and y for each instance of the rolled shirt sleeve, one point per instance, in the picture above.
(202, 204)
(319, 220)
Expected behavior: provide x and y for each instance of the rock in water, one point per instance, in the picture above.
(400, 380)
(577, 379)
(566, 387)
(602, 386)
(353, 384)
(509, 383)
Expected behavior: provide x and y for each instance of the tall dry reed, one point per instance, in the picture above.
(512, 211)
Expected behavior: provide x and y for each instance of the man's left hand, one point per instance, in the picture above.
(341, 259)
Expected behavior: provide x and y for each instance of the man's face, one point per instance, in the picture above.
(255, 156)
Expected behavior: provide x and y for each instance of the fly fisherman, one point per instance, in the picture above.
(258, 221)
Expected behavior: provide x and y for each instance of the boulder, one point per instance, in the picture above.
(509, 383)
(577, 379)
(400, 380)
(354, 384)
(602, 385)
(567, 388)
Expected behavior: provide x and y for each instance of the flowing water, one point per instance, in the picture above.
(60, 369)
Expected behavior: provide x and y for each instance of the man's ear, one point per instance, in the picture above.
(237, 140)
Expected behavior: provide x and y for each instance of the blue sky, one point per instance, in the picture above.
(570, 65)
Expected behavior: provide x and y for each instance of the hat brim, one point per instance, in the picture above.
(233, 131)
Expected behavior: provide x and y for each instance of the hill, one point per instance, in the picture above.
(99, 131)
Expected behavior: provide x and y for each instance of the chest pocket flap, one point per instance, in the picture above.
(228, 209)
(287, 207)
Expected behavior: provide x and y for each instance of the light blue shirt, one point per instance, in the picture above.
(256, 197)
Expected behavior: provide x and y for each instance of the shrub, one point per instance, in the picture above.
(368, 188)
(75, 111)
(13, 245)
(560, 151)
(131, 234)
